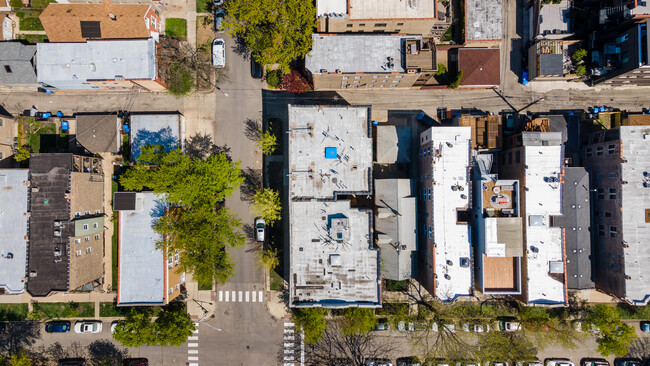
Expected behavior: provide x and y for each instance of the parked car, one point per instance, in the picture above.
(260, 226)
(88, 326)
(451, 328)
(496, 363)
(628, 362)
(434, 327)
(58, 326)
(465, 327)
(408, 361)
(256, 69)
(558, 362)
(480, 328)
(216, 3)
(645, 326)
(219, 14)
(3, 328)
(401, 326)
(594, 362)
(509, 325)
(72, 362)
(529, 363)
(382, 324)
(579, 326)
(219, 53)
(113, 326)
(135, 362)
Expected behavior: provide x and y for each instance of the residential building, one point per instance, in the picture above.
(165, 128)
(98, 132)
(536, 160)
(626, 56)
(17, 65)
(147, 275)
(618, 161)
(444, 196)
(65, 23)
(6, 27)
(427, 17)
(393, 145)
(483, 22)
(370, 61)
(4, 5)
(481, 67)
(98, 65)
(395, 225)
(8, 139)
(14, 195)
(66, 225)
(550, 59)
(551, 20)
(332, 259)
(487, 130)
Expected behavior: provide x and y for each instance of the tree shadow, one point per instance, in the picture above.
(249, 232)
(252, 183)
(164, 137)
(253, 128)
(105, 352)
(201, 146)
(20, 335)
(241, 48)
(640, 349)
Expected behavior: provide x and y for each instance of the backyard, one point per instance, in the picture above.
(203, 6)
(30, 131)
(13, 312)
(57, 310)
(176, 28)
(28, 16)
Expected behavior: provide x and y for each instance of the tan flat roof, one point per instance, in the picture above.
(500, 273)
(392, 9)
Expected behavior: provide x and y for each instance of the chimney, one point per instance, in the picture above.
(112, 16)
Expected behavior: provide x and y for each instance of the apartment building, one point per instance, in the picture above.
(427, 17)
(14, 195)
(166, 129)
(446, 260)
(370, 61)
(332, 259)
(618, 161)
(483, 23)
(18, 67)
(627, 54)
(147, 275)
(66, 223)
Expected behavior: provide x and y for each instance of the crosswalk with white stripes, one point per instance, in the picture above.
(241, 296)
(294, 346)
(192, 347)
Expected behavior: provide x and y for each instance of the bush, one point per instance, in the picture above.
(294, 82)
(31, 24)
(442, 69)
(273, 78)
(581, 70)
(391, 285)
(454, 84)
(579, 54)
(181, 80)
(16, 4)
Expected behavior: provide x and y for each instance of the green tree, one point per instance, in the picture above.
(442, 69)
(18, 359)
(581, 70)
(503, 346)
(312, 322)
(266, 204)
(136, 329)
(267, 142)
(358, 321)
(273, 78)
(579, 54)
(454, 84)
(22, 154)
(180, 80)
(275, 31)
(613, 335)
(16, 4)
(268, 258)
(173, 326)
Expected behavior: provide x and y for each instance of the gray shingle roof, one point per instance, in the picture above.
(16, 65)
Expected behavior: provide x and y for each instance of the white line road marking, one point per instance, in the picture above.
(288, 338)
(261, 296)
(288, 358)
(289, 324)
(234, 296)
(193, 338)
(195, 331)
(288, 351)
(221, 296)
(247, 296)
(192, 344)
(288, 331)
(193, 358)
(288, 345)
(193, 364)
(193, 351)
(254, 294)
(241, 296)
(288, 364)
(227, 295)
(196, 325)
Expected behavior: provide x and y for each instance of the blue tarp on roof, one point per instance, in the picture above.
(330, 153)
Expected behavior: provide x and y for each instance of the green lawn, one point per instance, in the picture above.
(55, 310)
(109, 310)
(396, 285)
(176, 28)
(33, 38)
(276, 281)
(205, 286)
(33, 139)
(114, 188)
(203, 6)
(31, 23)
(13, 312)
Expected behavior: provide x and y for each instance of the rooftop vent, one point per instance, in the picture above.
(112, 16)
(340, 229)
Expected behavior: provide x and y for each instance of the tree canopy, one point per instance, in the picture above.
(268, 258)
(613, 335)
(267, 142)
(266, 204)
(171, 328)
(312, 322)
(275, 31)
(357, 321)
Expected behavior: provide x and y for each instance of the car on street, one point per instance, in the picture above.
(451, 328)
(558, 362)
(256, 69)
(219, 14)
(135, 362)
(509, 325)
(496, 363)
(529, 363)
(594, 362)
(628, 362)
(645, 326)
(58, 326)
(480, 328)
(219, 53)
(72, 362)
(434, 327)
(260, 227)
(88, 326)
(3, 328)
(216, 3)
(382, 324)
(465, 327)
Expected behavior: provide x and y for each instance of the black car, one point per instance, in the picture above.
(135, 362)
(256, 69)
(72, 362)
(58, 326)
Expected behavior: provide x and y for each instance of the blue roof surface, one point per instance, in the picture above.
(330, 153)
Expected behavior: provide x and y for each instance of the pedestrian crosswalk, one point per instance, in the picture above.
(192, 345)
(241, 296)
(294, 346)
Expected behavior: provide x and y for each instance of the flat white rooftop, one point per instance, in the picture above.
(449, 192)
(97, 60)
(13, 226)
(392, 9)
(141, 264)
(333, 8)
(484, 20)
(330, 150)
(554, 18)
(332, 260)
(543, 194)
(635, 148)
(166, 129)
(356, 53)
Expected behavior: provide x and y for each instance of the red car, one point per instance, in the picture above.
(135, 362)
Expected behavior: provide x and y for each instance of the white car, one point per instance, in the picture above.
(559, 362)
(465, 327)
(219, 53)
(113, 326)
(480, 328)
(260, 226)
(88, 326)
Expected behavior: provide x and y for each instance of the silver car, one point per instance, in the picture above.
(219, 53)
(260, 226)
